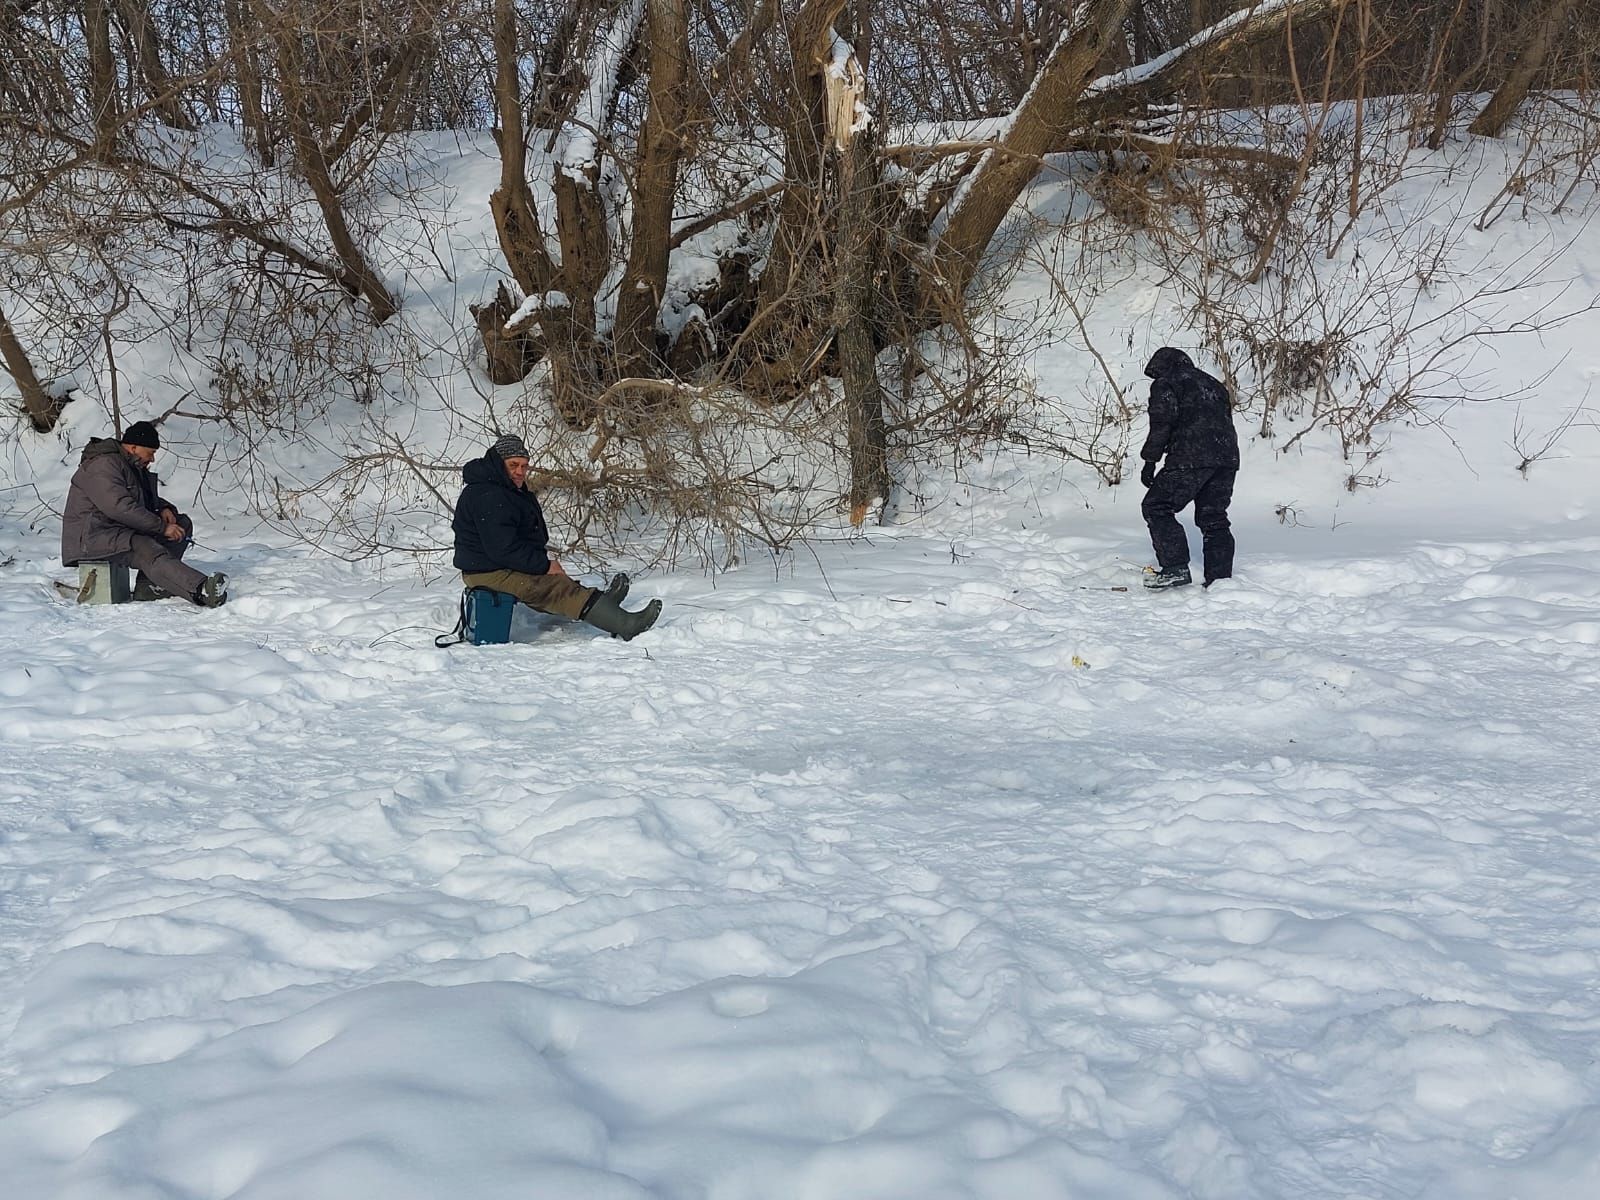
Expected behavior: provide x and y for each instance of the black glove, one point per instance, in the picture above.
(1147, 476)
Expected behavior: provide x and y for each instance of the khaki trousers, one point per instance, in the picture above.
(555, 594)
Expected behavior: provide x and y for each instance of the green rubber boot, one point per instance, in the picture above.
(605, 614)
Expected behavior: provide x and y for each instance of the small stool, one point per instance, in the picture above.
(487, 616)
(103, 583)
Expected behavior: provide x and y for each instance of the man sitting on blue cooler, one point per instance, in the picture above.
(502, 544)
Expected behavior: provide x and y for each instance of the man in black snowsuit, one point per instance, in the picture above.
(502, 543)
(1191, 426)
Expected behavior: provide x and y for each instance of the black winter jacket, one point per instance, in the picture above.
(1191, 415)
(498, 526)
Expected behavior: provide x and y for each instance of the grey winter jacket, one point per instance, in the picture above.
(112, 498)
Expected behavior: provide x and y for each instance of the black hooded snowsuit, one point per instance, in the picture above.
(1191, 426)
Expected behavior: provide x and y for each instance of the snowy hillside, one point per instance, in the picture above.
(936, 861)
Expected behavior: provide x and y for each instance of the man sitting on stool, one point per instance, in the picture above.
(502, 543)
(116, 514)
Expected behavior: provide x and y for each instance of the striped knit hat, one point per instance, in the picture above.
(509, 445)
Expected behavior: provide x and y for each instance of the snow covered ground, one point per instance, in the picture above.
(928, 864)
(926, 867)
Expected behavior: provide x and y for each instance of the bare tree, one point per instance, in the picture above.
(42, 409)
(1544, 24)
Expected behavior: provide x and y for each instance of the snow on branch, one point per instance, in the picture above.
(1026, 131)
(580, 149)
(1244, 27)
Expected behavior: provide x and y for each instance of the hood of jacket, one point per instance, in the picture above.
(488, 469)
(101, 446)
(1167, 361)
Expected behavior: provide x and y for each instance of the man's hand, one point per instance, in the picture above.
(173, 532)
(1147, 476)
(556, 568)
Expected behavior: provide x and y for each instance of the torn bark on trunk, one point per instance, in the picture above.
(1542, 33)
(42, 410)
(799, 211)
(644, 281)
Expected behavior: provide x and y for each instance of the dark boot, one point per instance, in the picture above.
(213, 593)
(1161, 580)
(145, 589)
(605, 614)
(617, 589)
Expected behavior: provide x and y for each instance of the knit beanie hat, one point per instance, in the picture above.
(141, 433)
(509, 445)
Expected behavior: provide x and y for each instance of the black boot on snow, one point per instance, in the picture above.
(1160, 581)
(605, 614)
(212, 592)
(144, 589)
(617, 589)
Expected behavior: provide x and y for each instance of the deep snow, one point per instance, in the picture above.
(922, 873)
(919, 864)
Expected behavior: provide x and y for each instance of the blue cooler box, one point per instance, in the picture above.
(489, 616)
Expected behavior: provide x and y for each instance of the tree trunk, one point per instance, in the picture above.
(1447, 86)
(799, 211)
(41, 408)
(1044, 117)
(135, 16)
(516, 221)
(1059, 104)
(359, 277)
(582, 221)
(569, 328)
(242, 32)
(655, 187)
(860, 251)
(1542, 32)
(585, 245)
(102, 71)
(509, 356)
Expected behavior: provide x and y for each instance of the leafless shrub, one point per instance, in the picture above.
(1534, 445)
